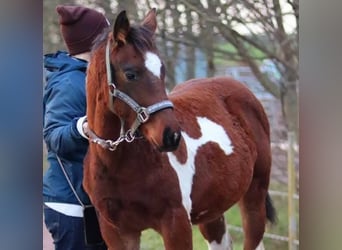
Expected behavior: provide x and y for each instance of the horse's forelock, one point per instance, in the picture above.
(139, 36)
(142, 39)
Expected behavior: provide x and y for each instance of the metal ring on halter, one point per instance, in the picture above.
(112, 89)
(129, 137)
(112, 145)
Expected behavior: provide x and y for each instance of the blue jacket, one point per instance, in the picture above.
(64, 101)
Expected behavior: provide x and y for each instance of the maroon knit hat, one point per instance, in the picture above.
(79, 27)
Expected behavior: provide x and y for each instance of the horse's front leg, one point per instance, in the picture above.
(216, 234)
(176, 230)
(118, 241)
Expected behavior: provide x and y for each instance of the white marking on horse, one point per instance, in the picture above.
(153, 63)
(260, 246)
(225, 244)
(211, 132)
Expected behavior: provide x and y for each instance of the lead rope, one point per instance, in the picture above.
(68, 180)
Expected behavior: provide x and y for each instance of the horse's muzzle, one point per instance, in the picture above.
(171, 140)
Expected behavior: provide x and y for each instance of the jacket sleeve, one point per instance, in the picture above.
(65, 103)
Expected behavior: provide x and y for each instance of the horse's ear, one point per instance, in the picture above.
(150, 20)
(121, 28)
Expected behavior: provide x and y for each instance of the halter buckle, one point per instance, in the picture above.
(143, 115)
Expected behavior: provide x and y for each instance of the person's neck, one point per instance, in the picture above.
(84, 56)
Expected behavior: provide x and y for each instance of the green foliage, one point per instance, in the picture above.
(150, 240)
(222, 58)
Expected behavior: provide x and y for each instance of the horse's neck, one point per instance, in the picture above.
(106, 125)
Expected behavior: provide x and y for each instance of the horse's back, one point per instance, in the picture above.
(226, 84)
(221, 92)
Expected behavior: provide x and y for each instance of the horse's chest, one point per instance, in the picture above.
(138, 203)
(127, 215)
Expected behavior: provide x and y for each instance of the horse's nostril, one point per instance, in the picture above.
(171, 139)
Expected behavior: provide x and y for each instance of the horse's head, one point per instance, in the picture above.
(135, 77)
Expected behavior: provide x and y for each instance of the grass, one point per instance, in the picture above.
(150, 240)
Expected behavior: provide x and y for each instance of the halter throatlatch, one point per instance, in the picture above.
(143, 113)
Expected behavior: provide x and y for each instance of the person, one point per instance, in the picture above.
(64, 110)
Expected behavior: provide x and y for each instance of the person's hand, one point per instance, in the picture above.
(82, 127)
(85, 128)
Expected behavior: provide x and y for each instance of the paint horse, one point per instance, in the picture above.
(167, 162)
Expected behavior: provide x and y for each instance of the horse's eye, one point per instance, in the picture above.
(130, 75)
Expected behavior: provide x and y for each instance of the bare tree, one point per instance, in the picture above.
(184, 25)
(52, 40)
(170, 49)
(251, 25)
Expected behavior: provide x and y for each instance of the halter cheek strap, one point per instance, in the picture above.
(143, 113)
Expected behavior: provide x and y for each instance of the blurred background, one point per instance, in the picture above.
(255, 42)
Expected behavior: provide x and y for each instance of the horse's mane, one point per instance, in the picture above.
(139, 36)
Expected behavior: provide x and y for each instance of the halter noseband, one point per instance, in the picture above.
(143, 113)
